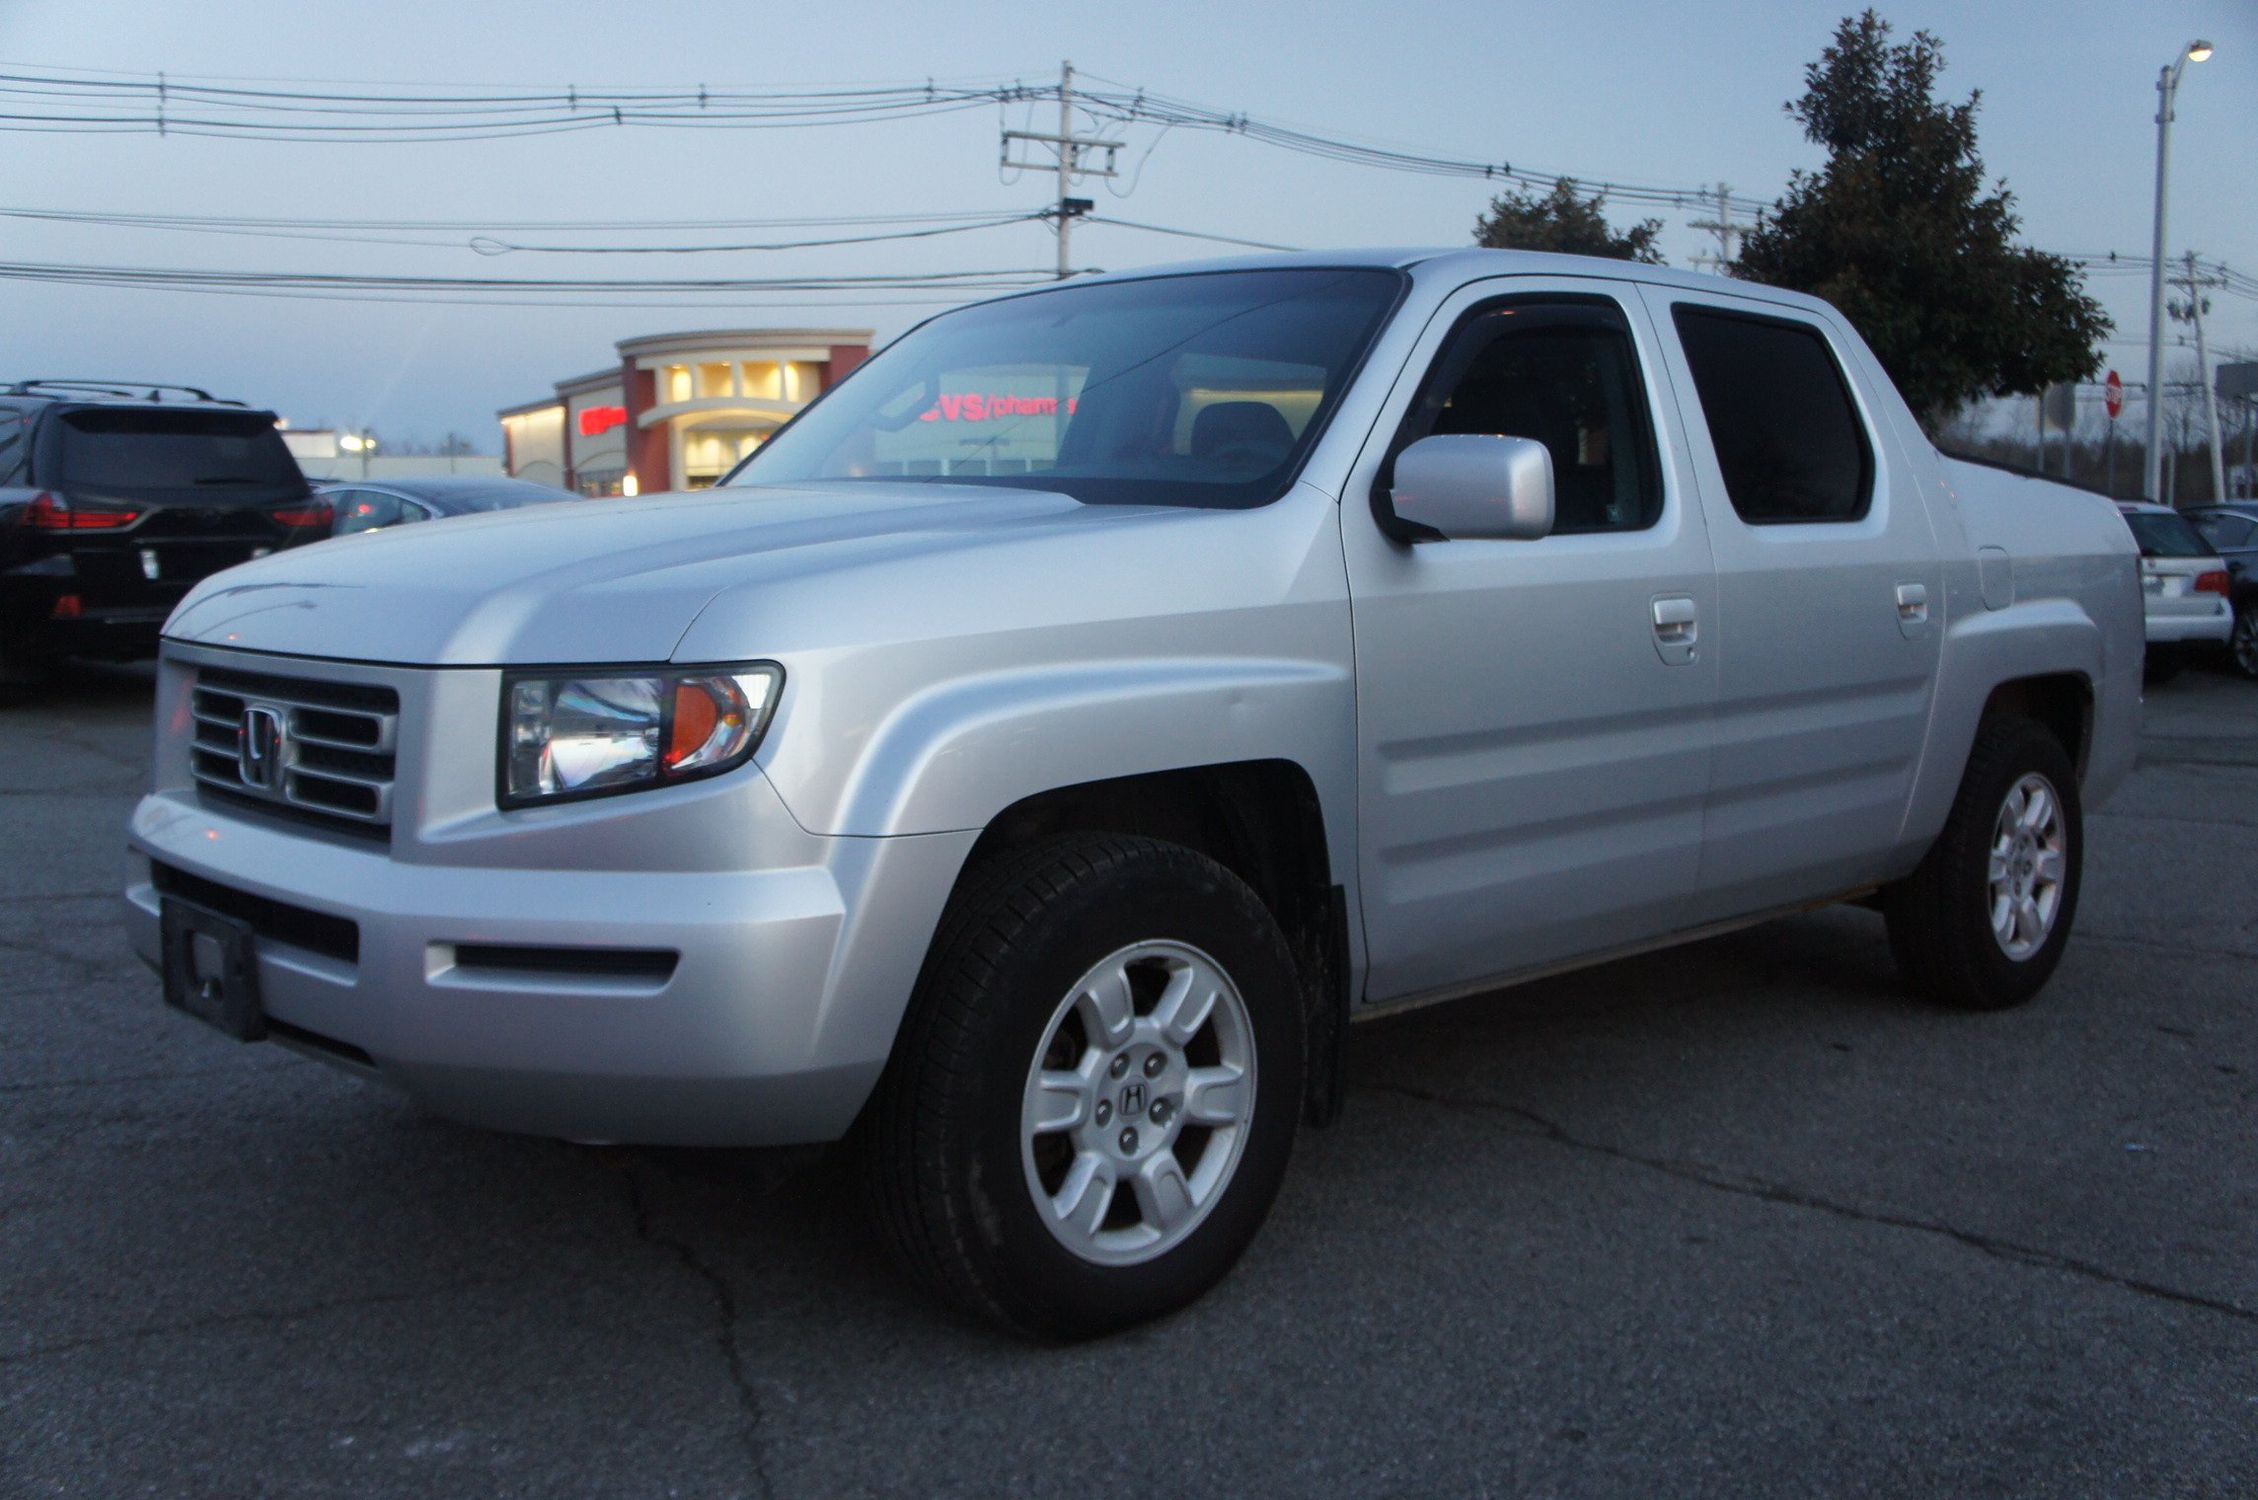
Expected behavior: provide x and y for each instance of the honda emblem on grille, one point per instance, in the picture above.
(259, 745)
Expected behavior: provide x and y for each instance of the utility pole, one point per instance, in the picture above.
(1723, 227)
(2197, 303)
(2167, 91)
(1069, 148)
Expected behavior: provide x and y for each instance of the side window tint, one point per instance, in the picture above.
(2225, 531)
(1780, 417)
(1566, 375)
(11, 446)
(365, 510)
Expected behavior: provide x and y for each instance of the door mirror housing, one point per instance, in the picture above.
(1474, 486)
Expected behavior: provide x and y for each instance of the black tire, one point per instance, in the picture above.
(941, 1140)
(2242, 646)
(1939, 917)
(24, 677)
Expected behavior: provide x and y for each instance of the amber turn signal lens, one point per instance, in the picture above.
(696, 717)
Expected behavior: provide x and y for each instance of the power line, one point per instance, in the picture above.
(198, 279)
(1188, 234)
(488, 246)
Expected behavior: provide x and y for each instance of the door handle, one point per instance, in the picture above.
(1675, 619)
(1677, 626)
(1912, 610)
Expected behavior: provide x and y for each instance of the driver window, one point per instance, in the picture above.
(1565, 374)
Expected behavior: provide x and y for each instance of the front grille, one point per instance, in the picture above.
(326, 748)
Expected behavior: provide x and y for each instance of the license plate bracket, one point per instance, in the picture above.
(211, 968)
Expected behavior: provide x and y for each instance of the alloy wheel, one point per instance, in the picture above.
(1137, 1105)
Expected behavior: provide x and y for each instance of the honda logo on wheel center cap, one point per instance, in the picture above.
(259, 746)
(1132, 1101)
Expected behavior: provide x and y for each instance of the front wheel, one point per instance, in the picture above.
(1982, 922)
(1093, 1097)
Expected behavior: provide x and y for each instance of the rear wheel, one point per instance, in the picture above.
(22, 675)
(2242, 646)
(1093, 1098)
(1981, 924)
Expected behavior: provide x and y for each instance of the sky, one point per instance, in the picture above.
(1623, 90)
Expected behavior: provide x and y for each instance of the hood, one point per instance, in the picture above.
(613, 581)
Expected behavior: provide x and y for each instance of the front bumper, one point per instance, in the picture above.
(787, 982)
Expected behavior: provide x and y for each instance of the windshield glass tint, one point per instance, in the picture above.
(2161, 535)
(128, 449)
(1183, 390)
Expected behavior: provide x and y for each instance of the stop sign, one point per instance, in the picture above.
(2113, 394)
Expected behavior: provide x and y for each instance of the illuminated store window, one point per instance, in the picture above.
(805, 380)
(677, 383)
(764, 379)
(715, 380)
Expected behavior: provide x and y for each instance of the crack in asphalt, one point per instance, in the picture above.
(1773, 1192)
(247, 1316)
(86, 970)
(115, 1079)
(725, 1304)
(2203, 950)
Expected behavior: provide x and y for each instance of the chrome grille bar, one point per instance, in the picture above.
(332, 763)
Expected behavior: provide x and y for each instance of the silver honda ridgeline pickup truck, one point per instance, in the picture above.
(1029, 761)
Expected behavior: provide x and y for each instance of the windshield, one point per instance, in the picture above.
(2162, 535)
(135, 448)
(1200, 390)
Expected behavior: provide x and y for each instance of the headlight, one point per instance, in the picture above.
(587, 734)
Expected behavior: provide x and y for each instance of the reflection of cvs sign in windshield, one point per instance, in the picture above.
(978, 408)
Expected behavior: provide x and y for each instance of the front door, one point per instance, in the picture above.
(1533, 717)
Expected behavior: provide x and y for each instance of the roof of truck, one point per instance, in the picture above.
(1455, 261)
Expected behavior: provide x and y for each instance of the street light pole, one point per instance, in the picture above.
(2167, 88)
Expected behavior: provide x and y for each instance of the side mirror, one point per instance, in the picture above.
(1475, 486)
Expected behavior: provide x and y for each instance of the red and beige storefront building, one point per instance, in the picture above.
(677, 411)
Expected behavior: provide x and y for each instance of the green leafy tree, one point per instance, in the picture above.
(1565, 221)
(1898, 232)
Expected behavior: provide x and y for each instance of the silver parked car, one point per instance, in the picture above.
(2184, 587)
(1039, 750)
(372, 505)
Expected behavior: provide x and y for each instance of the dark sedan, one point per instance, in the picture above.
(368, 505)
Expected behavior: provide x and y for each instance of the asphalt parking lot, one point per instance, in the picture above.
(1734, 1220)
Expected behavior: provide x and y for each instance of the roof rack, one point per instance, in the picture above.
(123, 390)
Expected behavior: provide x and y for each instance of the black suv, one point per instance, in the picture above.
(115, 498)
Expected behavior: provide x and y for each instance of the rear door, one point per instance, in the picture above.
(205, 489)
(1532, 717)
(1829, 599)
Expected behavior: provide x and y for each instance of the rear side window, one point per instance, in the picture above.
(371, 510)
(11, 445)
(2163, 535)
(129, 448)
(1780, 417)
(2226, 530)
